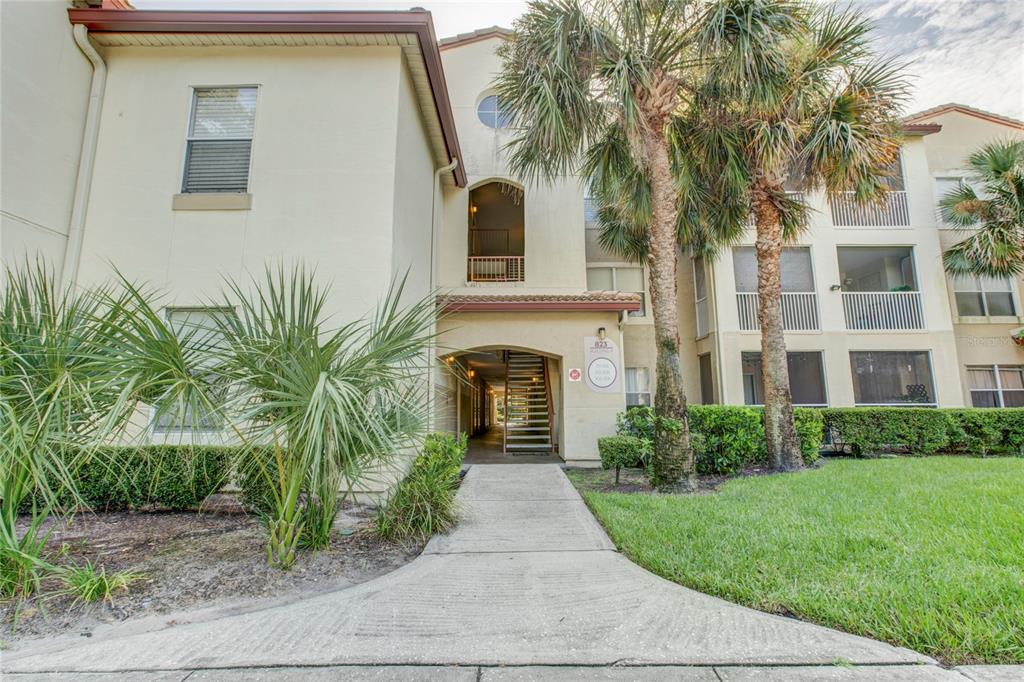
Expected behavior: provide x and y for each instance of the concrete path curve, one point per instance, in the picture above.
(528, 578)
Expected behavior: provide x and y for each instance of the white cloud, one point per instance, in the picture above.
(968, 51)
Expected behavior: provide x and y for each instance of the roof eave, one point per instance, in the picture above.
(414, 22)
(920, 129)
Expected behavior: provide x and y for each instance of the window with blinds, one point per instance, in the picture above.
(219, 140)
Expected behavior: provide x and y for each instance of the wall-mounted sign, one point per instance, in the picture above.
(575, 374)
(602, 364)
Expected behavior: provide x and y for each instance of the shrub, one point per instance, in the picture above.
(623, 451)
(727, 438)
(925, 431)
(424, 502)
(171, 477)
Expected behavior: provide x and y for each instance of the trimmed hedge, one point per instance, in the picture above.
(424, 502)
(172, 477)
(926, 431)
(731, 437)
(623, 451)
(727, 438)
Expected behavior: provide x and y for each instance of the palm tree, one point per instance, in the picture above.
(317, 406)
(995, 218)
(808, 105)
(601, 85)
(75, 365)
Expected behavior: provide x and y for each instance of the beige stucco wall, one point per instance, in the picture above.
(833, 339)
(44, 93)
(554, 254)
(323, 177)
(585, 415)
(979, 340)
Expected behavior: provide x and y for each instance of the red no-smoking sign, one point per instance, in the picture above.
(575, 374)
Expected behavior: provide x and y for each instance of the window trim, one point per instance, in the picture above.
(497, 111)
(642, 312)
(998, 390)
(155, 429)
(821, 364)
(209, 199)
(985, 316)
(931, 373)
(649, 393)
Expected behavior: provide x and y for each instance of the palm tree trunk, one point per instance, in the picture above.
(780, 432)
(672, 460)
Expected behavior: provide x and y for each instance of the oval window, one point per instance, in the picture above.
(491, 113)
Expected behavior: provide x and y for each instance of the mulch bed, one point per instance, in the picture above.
(634, 481)
(193, 560)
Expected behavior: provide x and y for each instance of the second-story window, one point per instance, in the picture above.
(630, 280)
(219, 140)
(984, 296)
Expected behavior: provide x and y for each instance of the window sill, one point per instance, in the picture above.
(994, 319)
(214, 201)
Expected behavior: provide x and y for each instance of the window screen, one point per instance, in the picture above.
(220, 140)
(795, 268)
(892, 377)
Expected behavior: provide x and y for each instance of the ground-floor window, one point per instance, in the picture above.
(198, 329)
(707, 384)
(892, 377)
(806, 379)
(638, 386)
(996, 385)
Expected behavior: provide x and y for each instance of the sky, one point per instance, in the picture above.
(966, 51)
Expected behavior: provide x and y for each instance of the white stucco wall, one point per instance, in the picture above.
(323, 175)
(44, 93)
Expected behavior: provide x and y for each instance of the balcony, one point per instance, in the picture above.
(894, 211)
(495, 268)
(879, 285)
(799, 311)
(883, 310)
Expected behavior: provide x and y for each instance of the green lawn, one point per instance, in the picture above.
(924, 553)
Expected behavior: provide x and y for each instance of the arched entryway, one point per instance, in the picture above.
(507, 400)
(497, 233)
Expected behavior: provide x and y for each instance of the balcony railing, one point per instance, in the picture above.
(894, 211)
(883, 310)
(495, 268)
(799, 311)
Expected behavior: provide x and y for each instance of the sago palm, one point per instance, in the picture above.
(806, 105)
(581, 79)
(993, 216)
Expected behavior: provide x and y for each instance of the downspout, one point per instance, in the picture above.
(86, 159)
(432, 359)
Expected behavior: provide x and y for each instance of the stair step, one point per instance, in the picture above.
(528, 446)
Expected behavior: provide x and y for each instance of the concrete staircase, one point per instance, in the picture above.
(528, 417)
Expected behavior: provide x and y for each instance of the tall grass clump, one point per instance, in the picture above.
(424, 502)
(75, 366)
(319, 407)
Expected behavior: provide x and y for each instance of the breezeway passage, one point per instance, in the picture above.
(528, 578)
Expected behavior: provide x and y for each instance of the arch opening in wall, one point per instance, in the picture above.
(508, 400)
(497, 233)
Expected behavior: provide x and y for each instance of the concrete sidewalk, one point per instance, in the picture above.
(528, 578)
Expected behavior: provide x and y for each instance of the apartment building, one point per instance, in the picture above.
(194, 145)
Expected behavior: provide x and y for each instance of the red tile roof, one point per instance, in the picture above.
(922, 116)
(589, 300)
